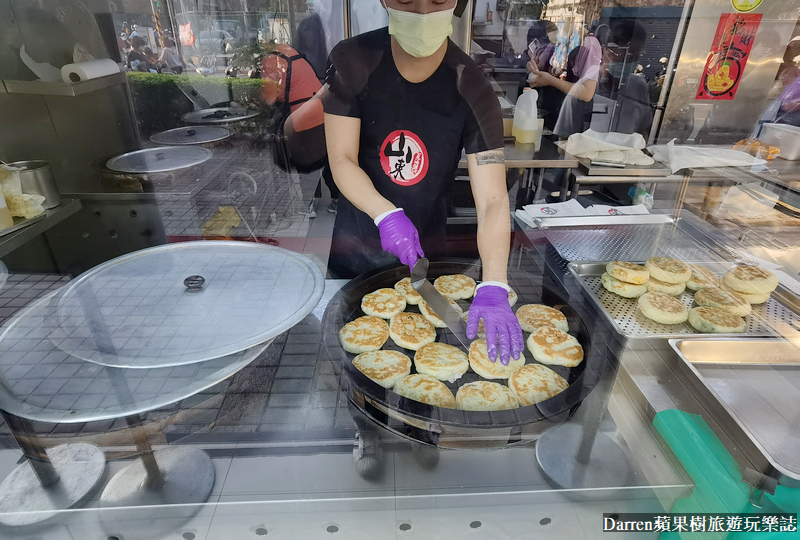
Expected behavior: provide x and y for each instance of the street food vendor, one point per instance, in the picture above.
(400, 105)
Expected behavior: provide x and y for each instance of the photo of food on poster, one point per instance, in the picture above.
(728, 56)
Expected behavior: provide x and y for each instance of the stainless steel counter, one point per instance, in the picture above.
(652, 378)
(657, 169)
(524, 156)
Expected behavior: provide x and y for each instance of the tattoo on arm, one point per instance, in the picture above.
(490, 157)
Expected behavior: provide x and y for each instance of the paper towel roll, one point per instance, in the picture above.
(83, 71)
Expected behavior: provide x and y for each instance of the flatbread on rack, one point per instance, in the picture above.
(628, 272)
(701, 278)
(722, 299)
(425, 389)
(485, 396)
(364, 334)
(672, 289)
(710, 319)
(384, 303)
(752, 299)
(662, 308)
(668, 269)
(622, 288)
(383, 367)
(751, 280)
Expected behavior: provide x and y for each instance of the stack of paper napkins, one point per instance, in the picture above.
(572, 208)
(606, 210)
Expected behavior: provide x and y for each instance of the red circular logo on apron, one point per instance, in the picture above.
(404, 157)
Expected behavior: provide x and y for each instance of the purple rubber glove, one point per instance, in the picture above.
(502, 326)
(399, 237)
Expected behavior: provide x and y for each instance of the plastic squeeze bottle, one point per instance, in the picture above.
(526, 118)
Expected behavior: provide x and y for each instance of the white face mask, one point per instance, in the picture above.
(420, 35)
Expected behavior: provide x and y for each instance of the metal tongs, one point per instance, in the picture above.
(437, 302)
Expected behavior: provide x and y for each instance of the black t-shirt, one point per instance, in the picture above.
(412, 135)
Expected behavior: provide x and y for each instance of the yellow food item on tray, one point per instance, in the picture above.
(757, 148)
(19, 204)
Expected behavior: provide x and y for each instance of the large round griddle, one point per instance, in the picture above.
(435, 425)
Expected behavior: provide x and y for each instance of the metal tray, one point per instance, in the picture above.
(21, 223)
(601, 221)
(635, 240)
(763, 401)
(740, 351)
(768, 319)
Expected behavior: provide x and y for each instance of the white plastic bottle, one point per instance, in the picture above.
(526, 118)
(6, 220)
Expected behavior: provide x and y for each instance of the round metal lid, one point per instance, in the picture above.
(184, 303)
(183, 136)
(161, 159)
(219, 115)
(40, 382)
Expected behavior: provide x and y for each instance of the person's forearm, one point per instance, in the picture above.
(357, 187)
(578, 90)
(561, 84)
(494, 238)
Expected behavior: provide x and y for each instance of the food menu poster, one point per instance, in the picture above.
(728, 56)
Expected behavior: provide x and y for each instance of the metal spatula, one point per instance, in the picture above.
(438, 303)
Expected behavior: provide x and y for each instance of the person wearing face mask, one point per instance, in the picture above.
(567, 101)
(542, 36)
(401, 103)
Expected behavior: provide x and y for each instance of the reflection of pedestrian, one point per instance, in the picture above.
(290, 83)
(169, 60)
(124, 44)
(787, 105)
(568, 102)
(633, 112)
(137, 59)
(310, 41)
(541, 41)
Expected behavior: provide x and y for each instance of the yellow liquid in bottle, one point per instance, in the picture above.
(524, 136)
(6, 220)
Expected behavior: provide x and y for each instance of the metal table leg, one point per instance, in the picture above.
(539, 184)
(175, 475)
(562, 196)
(576, 455)
(49, 481)
(576, 186)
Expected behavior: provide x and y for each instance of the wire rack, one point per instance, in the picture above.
(767, 319)
(631, 243)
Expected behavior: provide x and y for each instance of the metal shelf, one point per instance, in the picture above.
(42, 88)
(52, 217)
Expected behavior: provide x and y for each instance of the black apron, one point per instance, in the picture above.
(410, 153)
